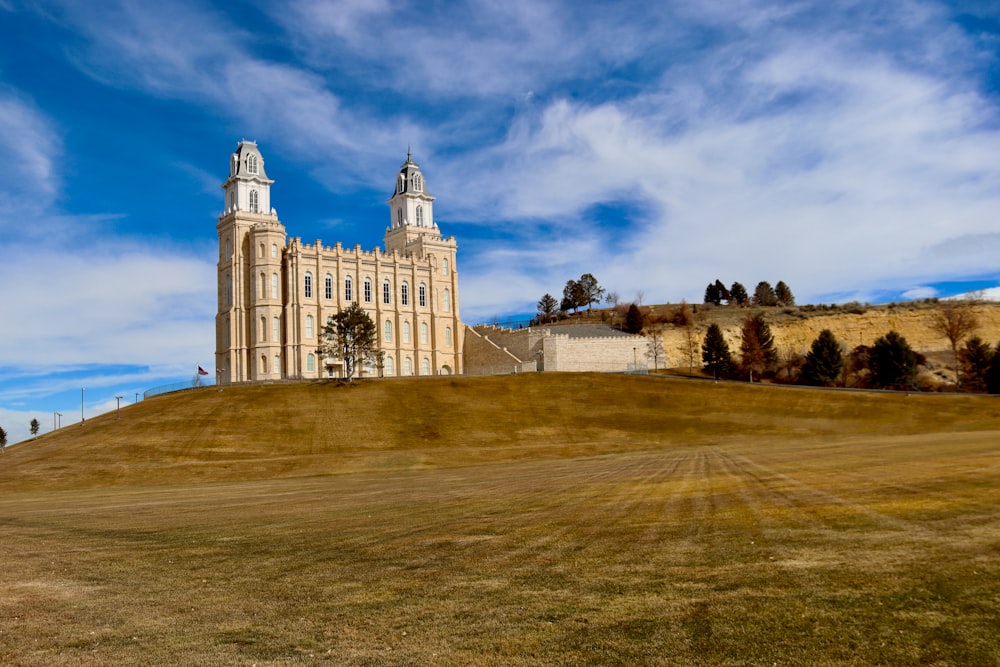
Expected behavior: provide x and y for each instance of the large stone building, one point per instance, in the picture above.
(276, 293)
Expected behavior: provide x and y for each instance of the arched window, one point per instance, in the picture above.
(229, 290)
(368, 290)
(254, 206)
(311, 362)
(276, 329)
(251, 164)
(262, 292)
(277, 364)
(406, 332)
(404, 293)
(260, 253)
(390, 368)
(386, 291)
(407, 366)
(229, 248)
(328, 287)
(399, 216)
(262, 333)
(274, 286)
(348, 289)
(274, 250)
(423, 295)
(418, 183)
(263, 364)
(447, 336)
(388, 331)
(232, 201)
(310, 326)
(425, 366)
(444, 266)
(308, 285)
(420, 216)
(229, 333)
(424, 332)
(446, 297)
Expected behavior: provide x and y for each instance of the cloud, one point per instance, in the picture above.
(30, 146)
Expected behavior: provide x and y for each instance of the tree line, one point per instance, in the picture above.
(736, 295)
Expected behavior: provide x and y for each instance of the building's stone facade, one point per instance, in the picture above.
(276, 293)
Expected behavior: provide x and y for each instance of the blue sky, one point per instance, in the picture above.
(847, 148)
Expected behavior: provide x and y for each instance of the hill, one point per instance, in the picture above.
(530, 519)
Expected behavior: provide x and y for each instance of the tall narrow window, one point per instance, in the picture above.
(310, 325)
(406, 332)
(274, 250)
(390, 368)
(274, 286)
(251, 164)
(308, 285)
(425, 366)
(263, 364)
(262, 293)
(262, 333)
(399, 217)
(276, 329)
(253, 202)
(328, 287)
(229, 290)
(407, 366)
(348, 289)
(311, 362)
(229, 248)
(277, 364)
(424, 333)
(404, 293)
(388, 331)
(444, 266)
(447, 336)
(260, 253)
(420, 216)
(446, 297)
(386, 291)
(418, 183)
(423, 295)
(368, 290)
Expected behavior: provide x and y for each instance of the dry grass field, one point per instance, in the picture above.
(526, 520)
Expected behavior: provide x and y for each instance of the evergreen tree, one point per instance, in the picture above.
(590, 292)
(722, 292)
(893, 363)
(738, 295)
(757, 346)
(824, 361)
(712, 294)
(573, 296)
(764, 295)
(633, 320)
(715, 355)
(976, 358)
(548, 307)
(783, 295)
(34, 427)
(993, 373)
(3, 439)
(352, 337)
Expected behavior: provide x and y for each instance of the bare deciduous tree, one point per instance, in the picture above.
(955, 321)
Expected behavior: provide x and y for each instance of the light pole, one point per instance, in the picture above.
(635, 362)
(118, 397)
(136, 397)
(82, 418)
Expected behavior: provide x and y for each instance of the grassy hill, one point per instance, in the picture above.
(532, 519)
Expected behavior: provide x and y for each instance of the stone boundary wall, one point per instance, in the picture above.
(485, 357)
(562, 352)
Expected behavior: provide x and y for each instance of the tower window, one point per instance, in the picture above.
(418, 183)
(399, 216)
(254, 205)
(423, 295)
(386, 292)
(308, 285)
(276, 330)
(447, 300)
(274, 250)
(251, 164)
(348, 289)
(444, 266)
(420, 216)
(404, 293)
(447, 336)
(328, 287)
(368, 290)
(274, 286)
(262, 333)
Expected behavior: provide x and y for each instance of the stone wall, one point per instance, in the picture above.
(483, 356)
